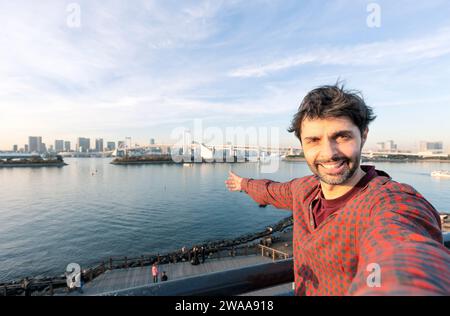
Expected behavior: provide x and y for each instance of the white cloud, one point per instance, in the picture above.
(156, 63)
(373, 54)
(103, 73)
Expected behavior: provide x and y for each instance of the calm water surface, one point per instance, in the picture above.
(90, 209)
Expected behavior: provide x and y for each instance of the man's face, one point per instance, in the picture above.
(332, 148)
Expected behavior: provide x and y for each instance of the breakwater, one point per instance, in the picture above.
(32, 165)
(29, 160)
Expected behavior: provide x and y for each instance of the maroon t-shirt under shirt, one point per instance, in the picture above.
(322, 208)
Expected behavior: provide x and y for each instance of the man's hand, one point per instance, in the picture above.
(233, 182)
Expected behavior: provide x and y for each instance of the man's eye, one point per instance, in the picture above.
(344, 137)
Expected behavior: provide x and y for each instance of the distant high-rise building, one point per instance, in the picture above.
(388, 146)
(67, 146)
(15, 148)
(120, 144)
(152, 141)
(431, 147)
(99, 145)
(391, 146)
(43, 148)
(59, 145)
(51, 148)
(111, 145)
(35, 144)
(380, 146)
(83, 144)
(27, 149)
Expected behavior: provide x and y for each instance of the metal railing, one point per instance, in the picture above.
(230, 282)
(271, 252)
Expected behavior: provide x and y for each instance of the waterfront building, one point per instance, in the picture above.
(111, 145)
(380, 146)
(154, 151)
(291, 152)
(59, 145)
(83, 145)
(67, 146)
(432, 148)
(15, 148)
(26, 148)
(388, 146)
(35, 144)
(99, 145)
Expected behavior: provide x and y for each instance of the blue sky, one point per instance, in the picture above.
(144, 68)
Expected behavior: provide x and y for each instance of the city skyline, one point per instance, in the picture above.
(119, 70)
(99, 142)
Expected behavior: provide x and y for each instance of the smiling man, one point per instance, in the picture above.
(356, 231)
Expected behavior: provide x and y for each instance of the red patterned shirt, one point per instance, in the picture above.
(322, 208)
(386, 240)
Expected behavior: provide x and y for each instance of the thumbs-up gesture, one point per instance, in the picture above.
(233, 182)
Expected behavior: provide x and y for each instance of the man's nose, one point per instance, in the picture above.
(328, 149)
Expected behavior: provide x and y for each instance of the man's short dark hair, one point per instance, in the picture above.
(333, 101)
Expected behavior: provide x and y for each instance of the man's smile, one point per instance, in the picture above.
(333, 167)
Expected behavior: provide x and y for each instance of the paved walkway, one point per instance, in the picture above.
(120, 279)
(133, 277)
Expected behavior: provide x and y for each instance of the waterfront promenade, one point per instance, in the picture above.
(120, 279)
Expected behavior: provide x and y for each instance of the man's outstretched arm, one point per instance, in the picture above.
(263, 191)
(401, 253)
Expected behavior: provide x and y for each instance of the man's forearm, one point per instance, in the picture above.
(266, 192)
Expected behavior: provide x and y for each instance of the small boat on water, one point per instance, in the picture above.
(441, 173)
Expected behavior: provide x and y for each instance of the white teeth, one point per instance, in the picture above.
(332, 166)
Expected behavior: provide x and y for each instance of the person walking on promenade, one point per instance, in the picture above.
(26, 286)
(203, 253)
(356, 231)
(164, 277)
(82, 281)
(155, 273)
(195, 261)
(183, 253)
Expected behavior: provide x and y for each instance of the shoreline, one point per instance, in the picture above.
(172, 162)
(32, 165)
(145, 162)
(141, 162)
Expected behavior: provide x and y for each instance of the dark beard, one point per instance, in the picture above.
(337, 179)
